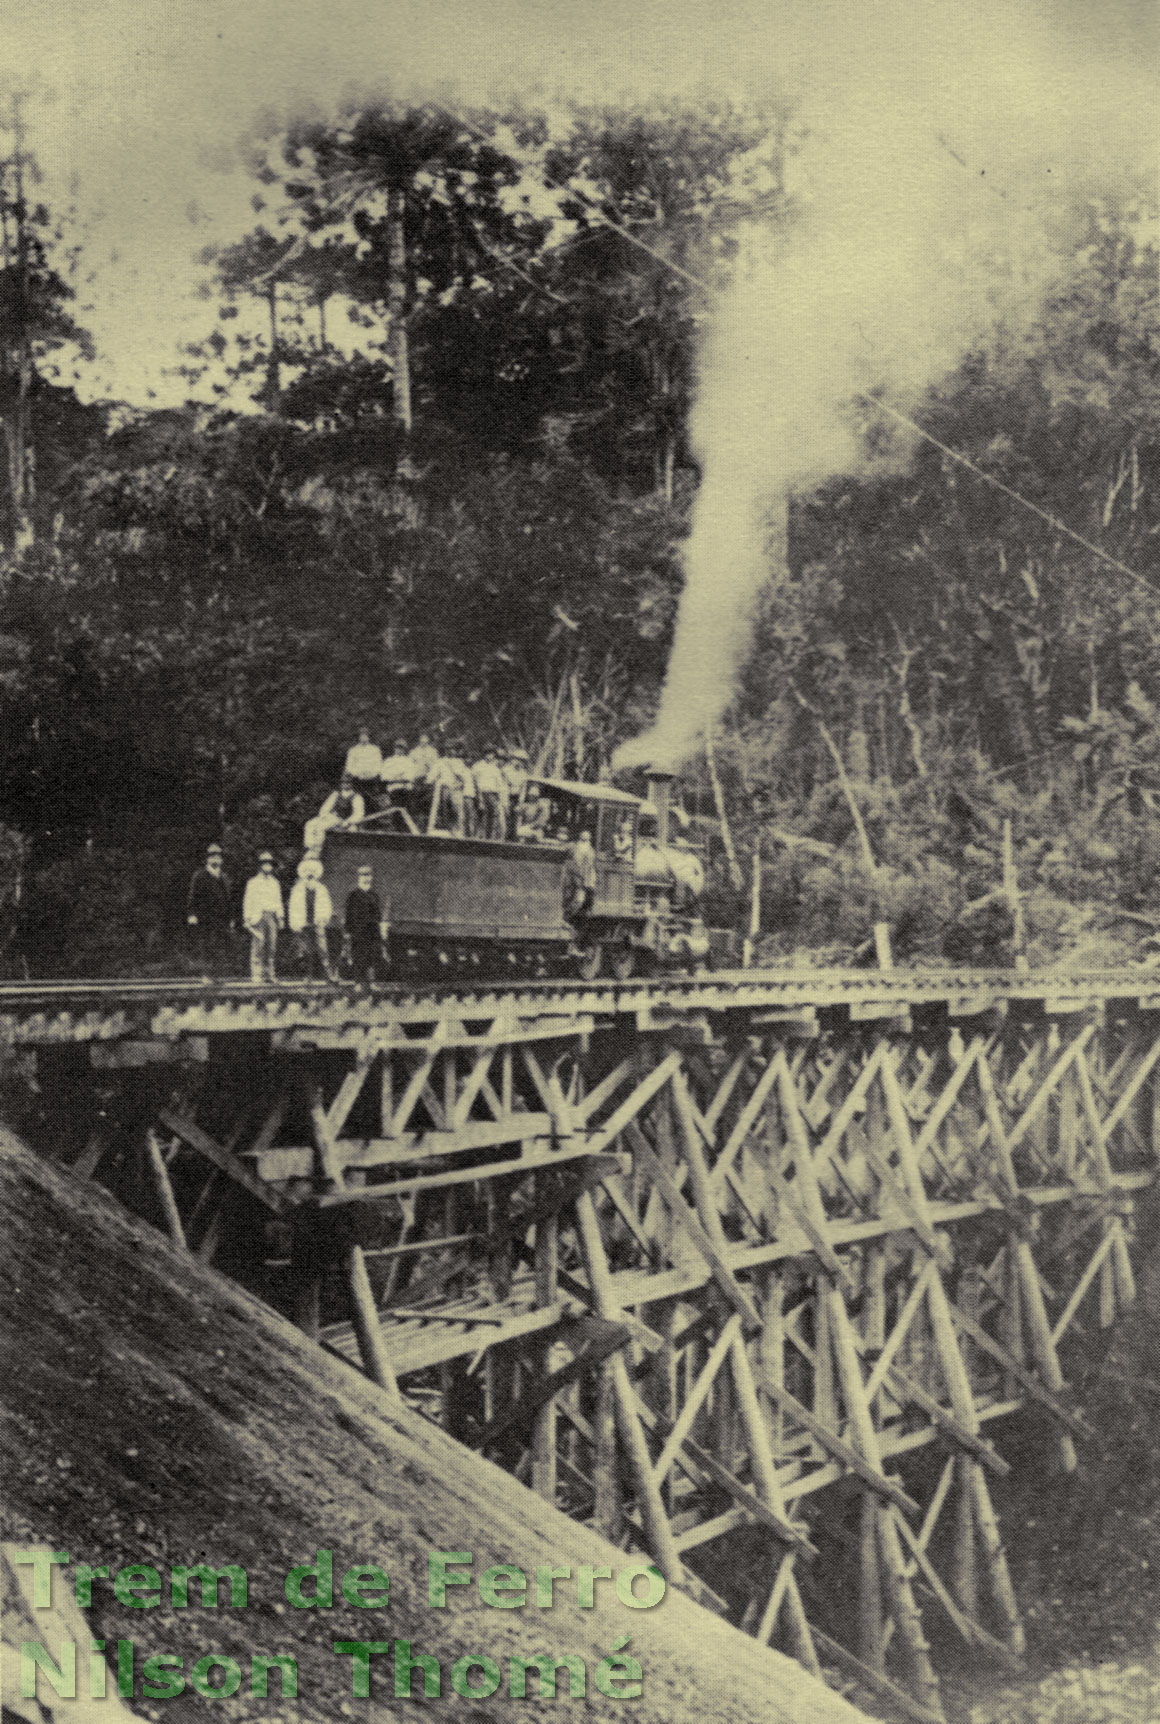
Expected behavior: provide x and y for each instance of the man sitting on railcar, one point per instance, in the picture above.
(534, 816)
(343, 807)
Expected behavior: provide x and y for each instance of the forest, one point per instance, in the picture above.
(436, 473)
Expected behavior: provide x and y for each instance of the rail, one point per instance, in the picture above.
(78, 1010)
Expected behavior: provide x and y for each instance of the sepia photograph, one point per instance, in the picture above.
(580, 861)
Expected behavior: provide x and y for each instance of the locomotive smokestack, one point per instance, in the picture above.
(659, 787)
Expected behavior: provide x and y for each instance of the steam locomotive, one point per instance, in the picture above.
(486, 907)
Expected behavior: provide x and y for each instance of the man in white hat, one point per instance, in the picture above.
(310, 913)
(263, 916)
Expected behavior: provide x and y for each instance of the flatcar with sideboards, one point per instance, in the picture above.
(463, 906)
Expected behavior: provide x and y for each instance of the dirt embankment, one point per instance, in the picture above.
(153, 1414)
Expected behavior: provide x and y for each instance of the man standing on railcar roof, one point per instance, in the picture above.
(425, 760)
(209, 914)
(364, 765)
(263, 915)
(366, 926)
(491, 794)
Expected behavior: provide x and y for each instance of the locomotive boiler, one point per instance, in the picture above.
(463, 906)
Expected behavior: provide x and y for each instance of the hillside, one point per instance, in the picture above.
(155, 1414)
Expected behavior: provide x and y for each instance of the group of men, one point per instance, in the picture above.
(493, 798)
(440, 793)
(309, 914)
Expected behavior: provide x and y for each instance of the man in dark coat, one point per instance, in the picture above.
(209, 913)
(366, 926)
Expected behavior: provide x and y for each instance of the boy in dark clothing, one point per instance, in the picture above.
(366, 927)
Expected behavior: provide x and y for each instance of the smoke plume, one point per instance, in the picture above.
(938, 161)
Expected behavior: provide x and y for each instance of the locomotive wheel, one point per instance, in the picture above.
(623, 963)
(588, 961)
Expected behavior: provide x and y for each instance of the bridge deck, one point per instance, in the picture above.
(42, 1013)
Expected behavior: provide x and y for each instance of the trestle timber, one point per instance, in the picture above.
(746, 1270)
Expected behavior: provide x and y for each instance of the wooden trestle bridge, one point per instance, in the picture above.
(748, 1270)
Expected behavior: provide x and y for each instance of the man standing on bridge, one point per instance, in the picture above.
(263, 915)
(209, 915)
(366, 927)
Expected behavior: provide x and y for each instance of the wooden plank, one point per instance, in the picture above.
(972, 1632)
(727, 1521)
(1019, 1371)
(608, 1085)
(684, 1216)
(471, 1087)
(594, 1338)
(550, 1093)
(898, 1334)
(366, 1323)
(164, 1187)
(881, 1684)
(1027, 1118)
(632, 1105)
(769, 1488)
(745, 1123)
(418, 1079)
(1129, 1093)
(453, 1176)
(836, 1446)
(695, 1398)
(483, 1333)
(329, 1164)
(696, 1460)
(946, 1422)
(349, 1091)
(656, 1523)
(1081, 1288)
(231, 1164)
(295, 1163)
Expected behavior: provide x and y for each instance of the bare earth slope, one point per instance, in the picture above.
(154, 1414)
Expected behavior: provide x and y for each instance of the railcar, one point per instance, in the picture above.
(464, 906)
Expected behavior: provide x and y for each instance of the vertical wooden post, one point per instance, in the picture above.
(749, 945)
(894, 1570)
(544, 1429)
(657, 1530)
(605, 1479)
(772, 1344)
(1003, 1591)
(872, 1650)
(964, 1574)
(769, 1488)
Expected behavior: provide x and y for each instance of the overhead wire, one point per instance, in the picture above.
(875, 402)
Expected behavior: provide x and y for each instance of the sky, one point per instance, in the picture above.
(140, 108)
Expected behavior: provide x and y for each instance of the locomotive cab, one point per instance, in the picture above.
(644, 904)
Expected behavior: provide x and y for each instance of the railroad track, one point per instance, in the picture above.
(81, 1010)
